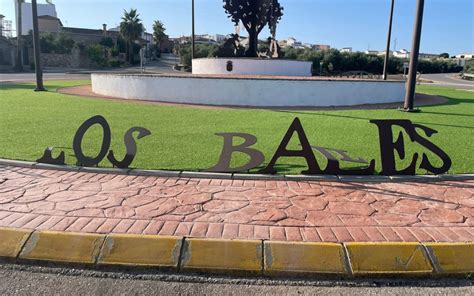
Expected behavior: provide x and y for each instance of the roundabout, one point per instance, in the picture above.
(248, 91)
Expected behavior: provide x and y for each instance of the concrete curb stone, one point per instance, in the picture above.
(235, 176)
(253, 257)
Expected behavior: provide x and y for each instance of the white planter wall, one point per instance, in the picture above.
(256, 92)
(245, 66)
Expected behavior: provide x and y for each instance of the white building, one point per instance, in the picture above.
(405, 54)
(27, 17)
(465, 56)
(292, 42)
(215, 37)
(462, 58)
(346, 49)
(5, 27)
(402, 54)
(372, 52)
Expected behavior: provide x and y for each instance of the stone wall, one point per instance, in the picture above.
(75, 59)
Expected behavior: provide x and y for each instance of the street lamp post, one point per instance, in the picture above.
(415, 51)
(193, 34)
(321, 68)
(36, 47)
(387, 52)
(19, 33)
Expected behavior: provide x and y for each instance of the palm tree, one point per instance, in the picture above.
(159, 34)
(131, 28)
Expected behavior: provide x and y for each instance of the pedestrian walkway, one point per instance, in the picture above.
(440, 211)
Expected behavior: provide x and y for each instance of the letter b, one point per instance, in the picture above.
(256, 157)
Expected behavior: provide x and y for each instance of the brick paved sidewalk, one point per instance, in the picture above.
(275, 210)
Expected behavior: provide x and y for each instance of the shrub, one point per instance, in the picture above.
(56, 43)
(97, 54)
(114, 64)
(469, 67)
(107, 42)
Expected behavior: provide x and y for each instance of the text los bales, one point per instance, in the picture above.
(388, 147)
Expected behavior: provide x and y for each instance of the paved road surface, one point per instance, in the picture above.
(40, 280)
(164, 65)
(23, 77)
(449, 80)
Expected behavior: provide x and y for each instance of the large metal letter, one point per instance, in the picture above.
(425, 163)
(256, 157)
(48, 157)
(306, 152)
(131, 146)
(77, 143)
(388, 147)
(333, 167)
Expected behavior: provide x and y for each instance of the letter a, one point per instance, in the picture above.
(306, 151)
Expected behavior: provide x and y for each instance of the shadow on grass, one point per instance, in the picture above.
(8, 86)
(368, 119)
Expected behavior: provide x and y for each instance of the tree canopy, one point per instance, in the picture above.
(131, 28)
(254, 16)
(159, 34)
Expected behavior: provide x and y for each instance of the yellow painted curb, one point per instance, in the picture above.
(285, 257)
(222, 255)
(63, 247)
(144, 250)
(12, 240)
(239, 255)
(388, 258)
(451, 258)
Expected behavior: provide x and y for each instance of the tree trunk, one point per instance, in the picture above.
(131, 52)
(19, 58)
(252, 51)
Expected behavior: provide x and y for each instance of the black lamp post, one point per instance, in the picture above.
(36, 47)
(415, 52)
(19, 33)
(387, 52)
(193, 34)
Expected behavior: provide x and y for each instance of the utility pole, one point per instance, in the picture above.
(19, 58)
(389, 38)
(37, 49)
(193, 48)
(415, 52)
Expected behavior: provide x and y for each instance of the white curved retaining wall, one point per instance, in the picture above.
(259, 92)
(246, 66)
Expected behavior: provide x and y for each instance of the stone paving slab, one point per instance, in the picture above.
(311, 211)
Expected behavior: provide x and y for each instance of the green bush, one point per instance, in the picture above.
(97, 54)
(107, 42)
(115, 51)
(359, 61)
(56, 43)
(114, 64)
(469, 67)
(202, 51)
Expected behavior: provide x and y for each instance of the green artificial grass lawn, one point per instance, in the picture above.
(183, 137)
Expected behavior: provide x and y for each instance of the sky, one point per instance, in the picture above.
(361, 24)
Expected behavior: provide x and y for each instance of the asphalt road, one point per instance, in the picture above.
(164, 65)
(24, 77)
(42, 280)
(449, 80)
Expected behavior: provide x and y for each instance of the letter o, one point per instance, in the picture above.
(77, 143)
